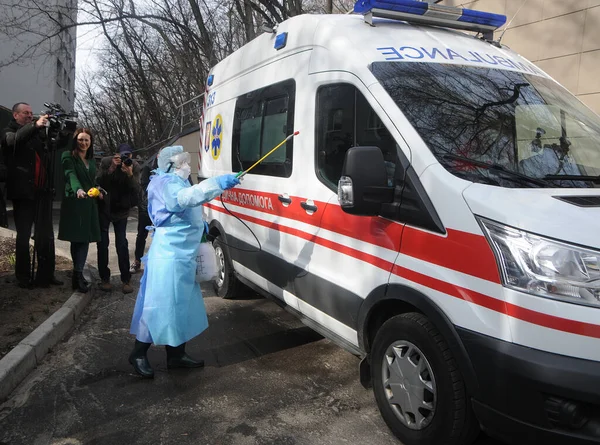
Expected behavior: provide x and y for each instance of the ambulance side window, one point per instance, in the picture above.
(263, 118)
(344, 120)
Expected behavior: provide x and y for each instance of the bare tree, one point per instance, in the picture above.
(156, 54)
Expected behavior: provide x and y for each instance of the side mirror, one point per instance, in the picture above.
(363, 187)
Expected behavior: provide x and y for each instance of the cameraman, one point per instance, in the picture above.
(119, 176)
(26, 186)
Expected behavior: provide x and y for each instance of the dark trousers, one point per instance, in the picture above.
(3, 213)
(142, 233)
(120, 228)
(25, 213)
(79, 252)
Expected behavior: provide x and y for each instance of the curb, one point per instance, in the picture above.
(29, 353)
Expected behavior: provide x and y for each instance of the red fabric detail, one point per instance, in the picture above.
(40, 172)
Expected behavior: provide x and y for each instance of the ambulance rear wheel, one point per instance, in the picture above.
(418, 388)
(226, 283)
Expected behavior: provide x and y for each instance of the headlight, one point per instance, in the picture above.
(541, 266)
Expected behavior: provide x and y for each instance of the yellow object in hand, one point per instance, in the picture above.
(93, 192)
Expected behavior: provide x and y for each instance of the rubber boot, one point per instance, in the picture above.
(78, 282)
(139, 360)
(177, 358)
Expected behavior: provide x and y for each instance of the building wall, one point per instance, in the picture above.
(562, 37)
(191, 144)
(44, 72)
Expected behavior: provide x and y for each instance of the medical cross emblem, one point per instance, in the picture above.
(217, 136)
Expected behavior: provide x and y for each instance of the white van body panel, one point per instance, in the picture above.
(350, 276)
(456, 270)
(538, 211)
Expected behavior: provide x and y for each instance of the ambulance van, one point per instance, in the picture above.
(436, 215)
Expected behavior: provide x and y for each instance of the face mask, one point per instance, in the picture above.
(184, 171)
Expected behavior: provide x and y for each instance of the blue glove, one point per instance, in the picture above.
(227, 181)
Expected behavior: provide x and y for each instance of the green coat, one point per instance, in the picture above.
(78, 217)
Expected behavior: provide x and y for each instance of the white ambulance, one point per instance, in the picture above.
(436, 215)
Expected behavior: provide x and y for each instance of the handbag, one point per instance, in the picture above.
(207, 268)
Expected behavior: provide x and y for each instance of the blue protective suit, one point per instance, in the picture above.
(169, 309)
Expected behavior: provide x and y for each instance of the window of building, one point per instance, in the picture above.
(264, 118)
(344, 120)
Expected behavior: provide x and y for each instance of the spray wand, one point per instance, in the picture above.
(242, 173)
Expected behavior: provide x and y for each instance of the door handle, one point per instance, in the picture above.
(285, 199)
(308, 207)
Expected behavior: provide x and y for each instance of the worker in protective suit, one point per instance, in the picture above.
(169, 309)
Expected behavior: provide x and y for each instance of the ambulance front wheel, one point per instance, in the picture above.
(226, 283)
(419, 390)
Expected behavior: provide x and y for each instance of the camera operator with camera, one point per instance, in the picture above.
(119, 176)
(27, 185)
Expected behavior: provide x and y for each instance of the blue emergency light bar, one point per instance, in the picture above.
(422, 12)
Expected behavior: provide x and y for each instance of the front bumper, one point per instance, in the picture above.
(527, 396)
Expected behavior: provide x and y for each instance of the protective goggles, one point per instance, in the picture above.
(178, 160)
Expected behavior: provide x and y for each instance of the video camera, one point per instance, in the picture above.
(59, 119)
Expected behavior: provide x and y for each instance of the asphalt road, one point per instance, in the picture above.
(268, 380)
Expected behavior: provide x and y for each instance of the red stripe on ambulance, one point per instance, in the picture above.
(460, 251)
(494, 304)
(359, 255)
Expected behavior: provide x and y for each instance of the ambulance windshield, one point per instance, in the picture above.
(495, 126)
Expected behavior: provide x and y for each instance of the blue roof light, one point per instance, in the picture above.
(483, 18)
(210, 80)
(426, 13)
(281, 40)
(408, 6)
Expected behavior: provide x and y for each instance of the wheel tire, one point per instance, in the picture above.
(450, 421)
(227, 284)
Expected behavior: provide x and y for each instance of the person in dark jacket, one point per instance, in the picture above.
(27, 187)
(79, 222)
(143, 220)
(122, 186)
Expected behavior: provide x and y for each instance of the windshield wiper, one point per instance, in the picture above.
(594, 179)
(497, 167)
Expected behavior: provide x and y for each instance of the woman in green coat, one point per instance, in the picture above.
(79, 221)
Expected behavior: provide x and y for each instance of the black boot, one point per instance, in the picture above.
(139, 361)
(78, 282)
(177, 358)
